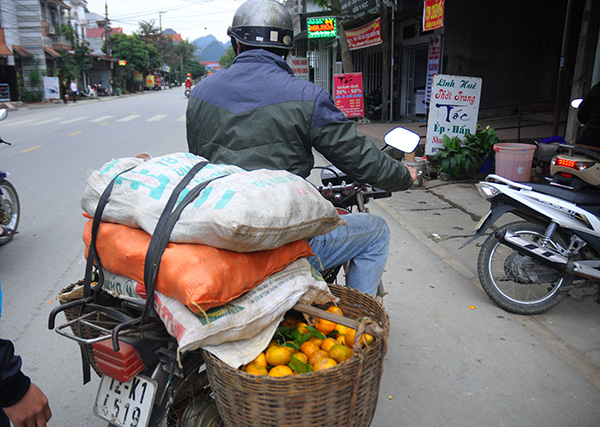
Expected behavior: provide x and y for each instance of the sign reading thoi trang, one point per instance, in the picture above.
(348, 94)
(433, 14)
(453, 109)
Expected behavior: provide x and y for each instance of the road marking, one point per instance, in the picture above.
(46, 121)
(17, 123)
(129, 118)
(76, 133)
(157, 118)
(102, 124)
(74, 120)
(181, 119)
(30, 149)
(101, 119)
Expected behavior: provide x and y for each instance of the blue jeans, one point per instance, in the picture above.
(364, 242)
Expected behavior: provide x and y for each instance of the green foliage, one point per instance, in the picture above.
(227, 59)
(458, 157)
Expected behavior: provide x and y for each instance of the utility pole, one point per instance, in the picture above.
(106, 29)
(160, 14)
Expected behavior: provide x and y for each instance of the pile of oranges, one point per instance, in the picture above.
(298, 348)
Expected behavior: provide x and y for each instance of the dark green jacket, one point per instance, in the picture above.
(256, 114)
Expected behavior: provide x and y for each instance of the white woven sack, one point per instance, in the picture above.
(243, 211)
(250, 316)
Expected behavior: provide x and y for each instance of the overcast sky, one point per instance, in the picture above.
(190, 18)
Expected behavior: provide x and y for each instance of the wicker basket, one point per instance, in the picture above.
(345, 395)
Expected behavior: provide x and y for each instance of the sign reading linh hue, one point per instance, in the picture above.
(365, 36)
(348, 94)
(453, 109)
(433, 14)
(321, 27)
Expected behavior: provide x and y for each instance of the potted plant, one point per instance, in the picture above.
(482, 143)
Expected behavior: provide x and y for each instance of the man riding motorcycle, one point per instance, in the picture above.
(256, 114)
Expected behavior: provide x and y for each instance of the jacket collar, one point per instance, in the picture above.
(262, 56)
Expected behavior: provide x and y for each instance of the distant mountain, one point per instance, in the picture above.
(169, 31)
(209, 48)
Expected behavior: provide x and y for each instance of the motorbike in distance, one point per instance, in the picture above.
(10, 208)
(529, 266)
(145, 380)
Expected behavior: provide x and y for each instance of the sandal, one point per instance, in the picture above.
(7, 232)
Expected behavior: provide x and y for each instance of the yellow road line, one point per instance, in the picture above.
(102, 124)
(76, 133)
(30, 149)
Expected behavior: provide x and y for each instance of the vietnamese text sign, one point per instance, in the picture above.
(348, 94)
(358, 8)
(4, 92)
(321, 27)
(365, 36)
(51, 90)
(453, 109)
(299, 66)
(433, 64)
(433, 14)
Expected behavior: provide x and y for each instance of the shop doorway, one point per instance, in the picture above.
(414, 80)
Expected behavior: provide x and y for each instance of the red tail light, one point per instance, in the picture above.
(121, 365)
(565, 163)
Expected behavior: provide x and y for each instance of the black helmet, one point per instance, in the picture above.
(263, 23)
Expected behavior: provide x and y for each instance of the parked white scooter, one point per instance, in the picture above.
(89, 92)
(527, 267)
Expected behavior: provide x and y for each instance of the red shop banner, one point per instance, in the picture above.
(348, 94)
(433, 14)
(365, 36)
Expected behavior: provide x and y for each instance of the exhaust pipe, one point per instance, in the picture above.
(547, 257)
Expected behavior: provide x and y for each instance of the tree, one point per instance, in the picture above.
(140, 56)
(227, 59)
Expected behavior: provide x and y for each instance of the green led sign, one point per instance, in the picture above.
(321, 27)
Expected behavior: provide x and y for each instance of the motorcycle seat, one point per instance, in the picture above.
(581, 198)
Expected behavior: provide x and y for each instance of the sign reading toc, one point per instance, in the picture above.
(348, 94)
(453, 109)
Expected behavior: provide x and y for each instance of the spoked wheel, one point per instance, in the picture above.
(516, 282)
(193, 405)
(10, 208)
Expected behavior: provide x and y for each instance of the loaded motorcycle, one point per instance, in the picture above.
(9, 200)
(527, 267)
(145, 380)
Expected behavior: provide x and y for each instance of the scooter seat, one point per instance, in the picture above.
(581, 198)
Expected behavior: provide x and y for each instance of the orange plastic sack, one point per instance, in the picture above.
(199, 276)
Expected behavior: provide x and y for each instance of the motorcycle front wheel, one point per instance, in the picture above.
(10, 209)
(516, 282)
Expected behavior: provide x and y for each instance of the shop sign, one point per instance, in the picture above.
(433, 14)
(433, 63)
(157, 80)
(51, 90)
(150, 81)
(299, 66)
(348, 94)
(137, 77)
(453, 110)
(4, 92)
(365, 36)
(321, 27)
(358, 8)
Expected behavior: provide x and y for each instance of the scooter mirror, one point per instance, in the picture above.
(3, 114)
(402, 139)
(576, 103)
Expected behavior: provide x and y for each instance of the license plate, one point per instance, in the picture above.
(125, 404)
(482, 220)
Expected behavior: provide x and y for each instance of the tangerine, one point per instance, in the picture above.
(308, 348)
(317, 341)
(277, 356)
(301, 357)
(316, 356)
(339, 353)
(324, 326)
(341, 329)
(255, 369)
(349, 337)
(302, 328)
(341, 339)
(280, 371)
(335, 310)
(324, 363)
(260, 360)
(328, 343)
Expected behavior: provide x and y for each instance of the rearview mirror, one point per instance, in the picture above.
(576, 103)
(3, 114)
(402, 139)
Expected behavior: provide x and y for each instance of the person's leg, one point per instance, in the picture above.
(364, 242)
